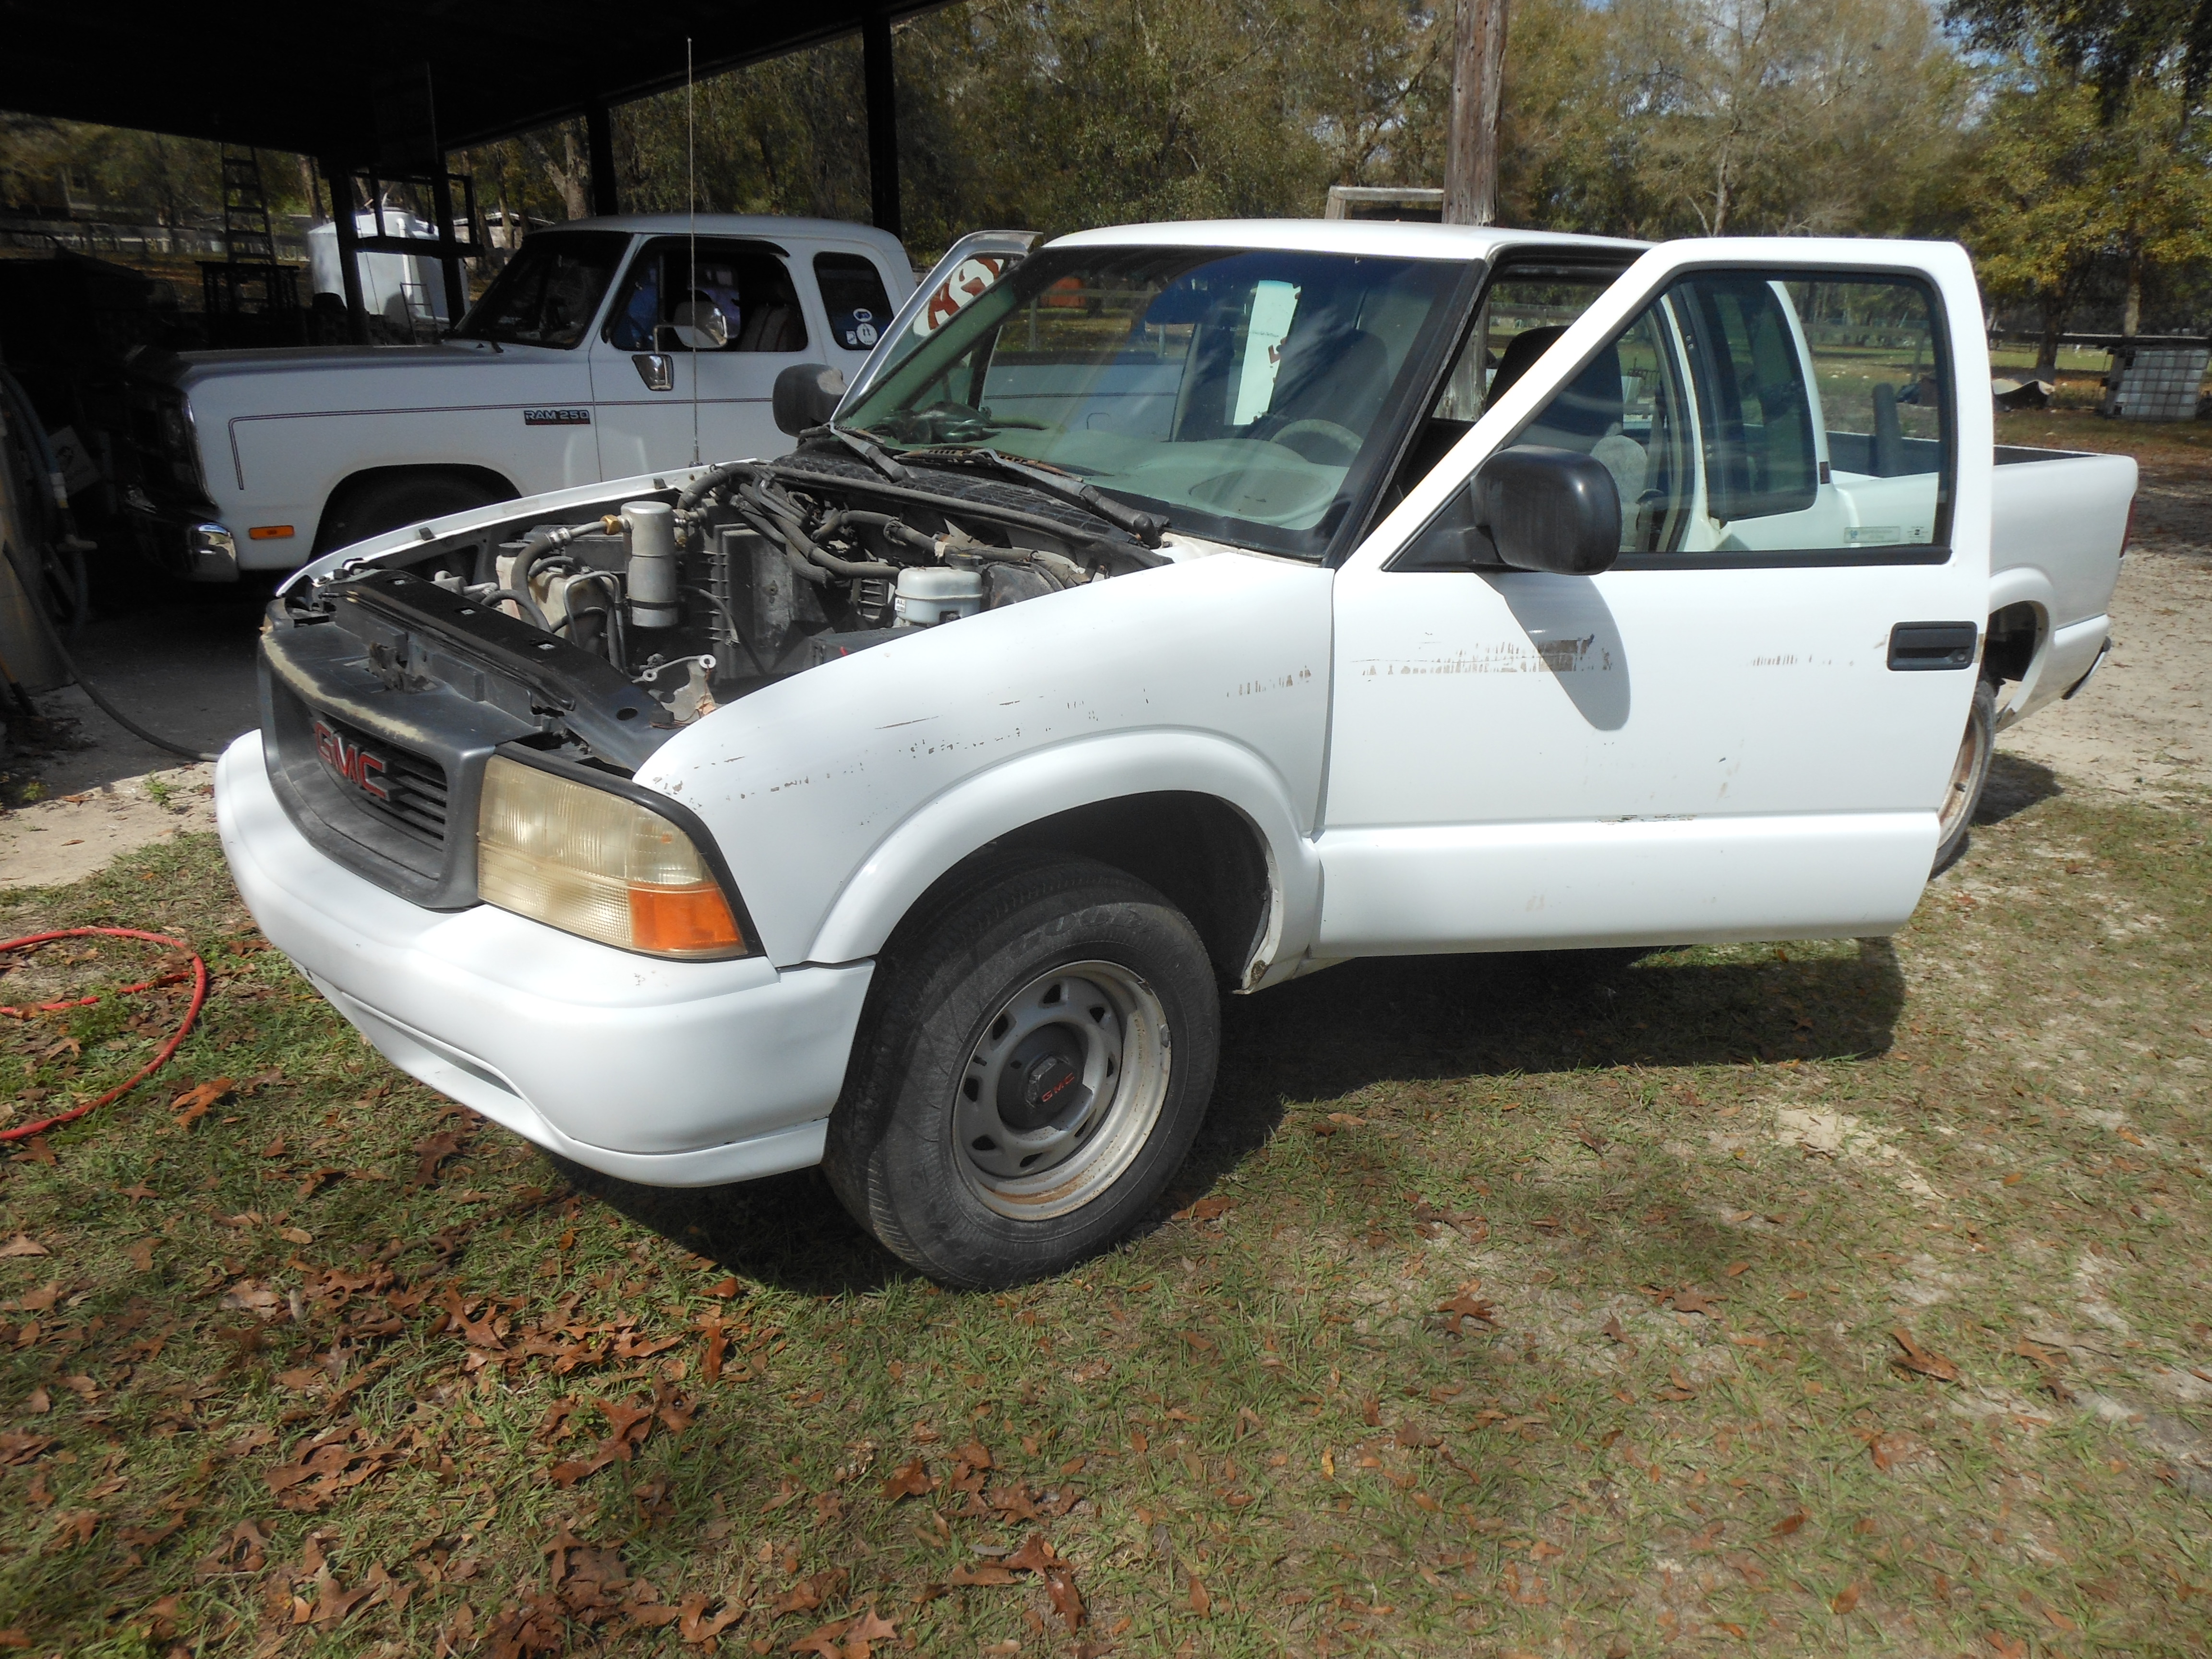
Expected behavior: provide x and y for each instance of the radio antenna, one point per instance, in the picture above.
(691, 191)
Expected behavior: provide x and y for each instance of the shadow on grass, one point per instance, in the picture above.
(1407, 1019)
(1421, 1018)
(2014, 786)
(787, 1230)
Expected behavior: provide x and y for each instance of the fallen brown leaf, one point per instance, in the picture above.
(1467, 1306)
(1200, 1602)
(1066, 1600)
(1611, 1329)
(192, 1104)
(697, 1626)
(1920, 1360)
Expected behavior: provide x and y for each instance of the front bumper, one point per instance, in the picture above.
(190, 545)
(667, 1074)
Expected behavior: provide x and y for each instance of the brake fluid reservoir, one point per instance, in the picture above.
(929, 594)
(651, 578)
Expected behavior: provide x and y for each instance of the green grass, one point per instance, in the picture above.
(1365, 1393)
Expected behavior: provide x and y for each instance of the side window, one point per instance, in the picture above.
(1750, 413)
(673, 296)
(854, 294)
(1521, 314)
(1752, 395)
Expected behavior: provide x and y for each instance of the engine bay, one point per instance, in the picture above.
(652, 610)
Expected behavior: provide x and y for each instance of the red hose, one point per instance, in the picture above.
(199, 976)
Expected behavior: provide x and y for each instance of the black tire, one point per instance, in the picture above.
(376, 505)
(954, 993)
(1970, 775)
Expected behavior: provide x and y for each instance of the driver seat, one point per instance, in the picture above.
(1337, 375)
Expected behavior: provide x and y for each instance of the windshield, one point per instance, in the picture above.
(1237, 392)
(549, 291)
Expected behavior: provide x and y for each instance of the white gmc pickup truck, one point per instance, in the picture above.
(1164, 613)
(606, 347)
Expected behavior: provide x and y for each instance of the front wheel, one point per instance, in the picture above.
(1970, 774)
(1035, 1059)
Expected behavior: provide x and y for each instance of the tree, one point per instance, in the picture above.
(2119, 46)
(2057, 192)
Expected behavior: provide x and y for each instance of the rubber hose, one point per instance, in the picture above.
(198, 975)
(712, 480)
(535, 546)
(100, 698)
(793, 533)
(770, 530)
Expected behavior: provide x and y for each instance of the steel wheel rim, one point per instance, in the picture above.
(1061, 1090)
(1963, 771)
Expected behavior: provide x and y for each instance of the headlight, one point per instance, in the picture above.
(594, 863)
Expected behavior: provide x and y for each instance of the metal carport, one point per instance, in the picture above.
(394, 90)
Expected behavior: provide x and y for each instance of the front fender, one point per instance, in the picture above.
(1082, 773)
(839, 795)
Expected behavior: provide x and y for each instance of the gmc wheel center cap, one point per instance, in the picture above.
(1043, 1081)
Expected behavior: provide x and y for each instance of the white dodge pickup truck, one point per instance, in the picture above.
(606, 347)
(1167, 612)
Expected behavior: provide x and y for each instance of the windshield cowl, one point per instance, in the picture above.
(1005, 496)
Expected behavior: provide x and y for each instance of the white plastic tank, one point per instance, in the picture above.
(403, 288)
(929, 594)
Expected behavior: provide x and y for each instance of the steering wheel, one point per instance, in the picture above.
(1324, 443)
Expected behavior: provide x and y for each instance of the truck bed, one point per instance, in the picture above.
(2058, 526)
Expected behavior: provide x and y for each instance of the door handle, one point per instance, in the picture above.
(1933, 645)
(657, 369)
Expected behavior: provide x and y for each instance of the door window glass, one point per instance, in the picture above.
(673, 296)
(852, 293)
(1744, 414)
(1752, 396)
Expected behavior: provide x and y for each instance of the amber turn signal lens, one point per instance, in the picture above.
(682, 921)
(270, 532)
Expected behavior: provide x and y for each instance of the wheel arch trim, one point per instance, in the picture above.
(368, 476)
(2024, 585)
(982, 808)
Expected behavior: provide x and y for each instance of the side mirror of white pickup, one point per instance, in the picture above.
(1529, 508)
(806, 395)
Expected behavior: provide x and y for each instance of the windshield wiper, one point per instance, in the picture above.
(869, 452)
(1146, 527)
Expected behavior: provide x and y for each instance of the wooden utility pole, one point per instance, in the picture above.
(1478, 82)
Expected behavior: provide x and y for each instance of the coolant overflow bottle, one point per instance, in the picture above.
(652, 575)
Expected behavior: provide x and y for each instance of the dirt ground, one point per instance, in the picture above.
(2143, 727)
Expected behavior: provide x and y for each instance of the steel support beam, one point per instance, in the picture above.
(449, 246)
(343, 220)
(882, 90)
(600, 124)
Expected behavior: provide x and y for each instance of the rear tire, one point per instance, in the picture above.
(378, 504)
(1970, 775)
(1034, 1064)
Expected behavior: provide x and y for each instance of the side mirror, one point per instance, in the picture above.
(806, 395)
(1548, 509)
(700, 326)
